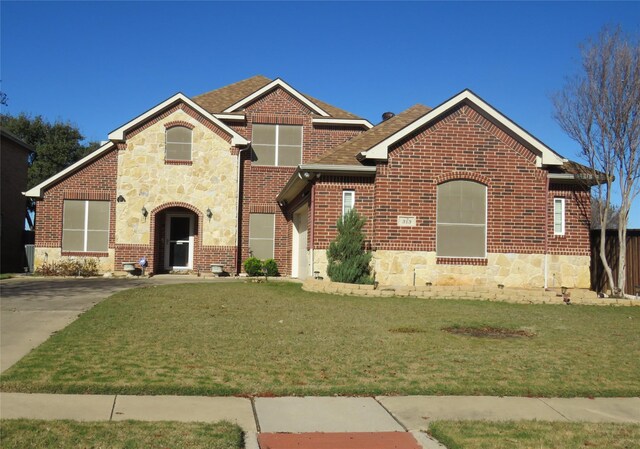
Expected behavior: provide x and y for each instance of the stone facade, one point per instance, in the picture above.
(146, 180)
(417, 268)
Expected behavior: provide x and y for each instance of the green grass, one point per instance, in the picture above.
(535, 434)
(5, 276)
(34, 434)
(275, 339)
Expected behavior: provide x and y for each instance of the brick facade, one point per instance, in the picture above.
(96, 181)
(461, 144)
(261, 184)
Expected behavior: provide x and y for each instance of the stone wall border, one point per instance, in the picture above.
(510, 295)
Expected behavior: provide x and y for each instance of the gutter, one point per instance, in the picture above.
(306, 172)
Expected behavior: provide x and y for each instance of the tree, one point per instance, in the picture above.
(348, 260)
(613, 216)
(600, 109)
(57, 145)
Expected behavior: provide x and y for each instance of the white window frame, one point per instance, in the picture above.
(562, 223)
(85, 229)
(277, 145)
(345, 193)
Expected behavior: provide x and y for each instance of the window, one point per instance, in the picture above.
(558, 216)
(348, 200)
(279, 145)
(461, 219)
(85, 226)
(261, 227)
(178, 144)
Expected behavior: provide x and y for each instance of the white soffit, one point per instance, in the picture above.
(342, 121)
(272, 85)
(36, 192)
(547, 155)
(118, 134)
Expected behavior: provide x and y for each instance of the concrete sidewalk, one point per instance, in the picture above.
(318, 414)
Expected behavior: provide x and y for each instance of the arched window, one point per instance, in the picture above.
(178, 144)
(461, 220)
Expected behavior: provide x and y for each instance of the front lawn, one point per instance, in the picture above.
(275, 339)
(533, 434)
(36, 434)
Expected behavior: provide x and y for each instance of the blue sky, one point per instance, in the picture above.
(100, 64)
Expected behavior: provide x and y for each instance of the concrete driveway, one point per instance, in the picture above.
(32, 309)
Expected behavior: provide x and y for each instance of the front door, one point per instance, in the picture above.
(179, 242)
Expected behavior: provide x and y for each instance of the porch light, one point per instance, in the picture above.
(144, 211)
(120, 199)
(209, 214)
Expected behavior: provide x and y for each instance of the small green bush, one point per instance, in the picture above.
(347, 257)
(271, 266)
(69, 267)
(253, 266)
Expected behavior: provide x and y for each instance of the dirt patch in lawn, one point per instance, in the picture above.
(489, 332)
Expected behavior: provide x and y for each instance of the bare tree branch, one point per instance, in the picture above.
(600, 109)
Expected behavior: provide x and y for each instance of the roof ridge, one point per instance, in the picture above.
(255, 77)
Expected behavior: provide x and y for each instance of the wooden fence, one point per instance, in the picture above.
(599, 281)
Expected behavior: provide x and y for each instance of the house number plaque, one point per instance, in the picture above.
(406, 220)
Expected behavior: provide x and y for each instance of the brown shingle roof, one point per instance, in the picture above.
(218, 100)
(345, 154)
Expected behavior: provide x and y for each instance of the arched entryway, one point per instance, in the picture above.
(176, 238)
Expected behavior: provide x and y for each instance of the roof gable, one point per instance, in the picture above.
(277, 83)
(227, 100)
(544, 154)
(120, 133)
(36, 192)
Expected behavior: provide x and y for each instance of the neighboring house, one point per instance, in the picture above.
(457, 194)
(14, 164)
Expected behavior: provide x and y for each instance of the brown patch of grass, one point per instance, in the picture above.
(488, 331)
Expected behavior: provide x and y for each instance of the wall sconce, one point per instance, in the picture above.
(120, 199)
(145, 212)
(209, 214)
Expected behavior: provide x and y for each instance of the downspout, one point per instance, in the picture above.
(238, 205)
(546, 230)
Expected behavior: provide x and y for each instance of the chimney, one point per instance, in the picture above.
(387, 115)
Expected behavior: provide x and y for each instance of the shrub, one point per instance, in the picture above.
(348, 260)
(271, 266)
(69, 267)
(253, 266)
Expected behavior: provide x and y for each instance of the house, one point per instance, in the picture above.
(14, 164)
(457, 194)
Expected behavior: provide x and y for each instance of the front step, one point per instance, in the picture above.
(338, 440)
